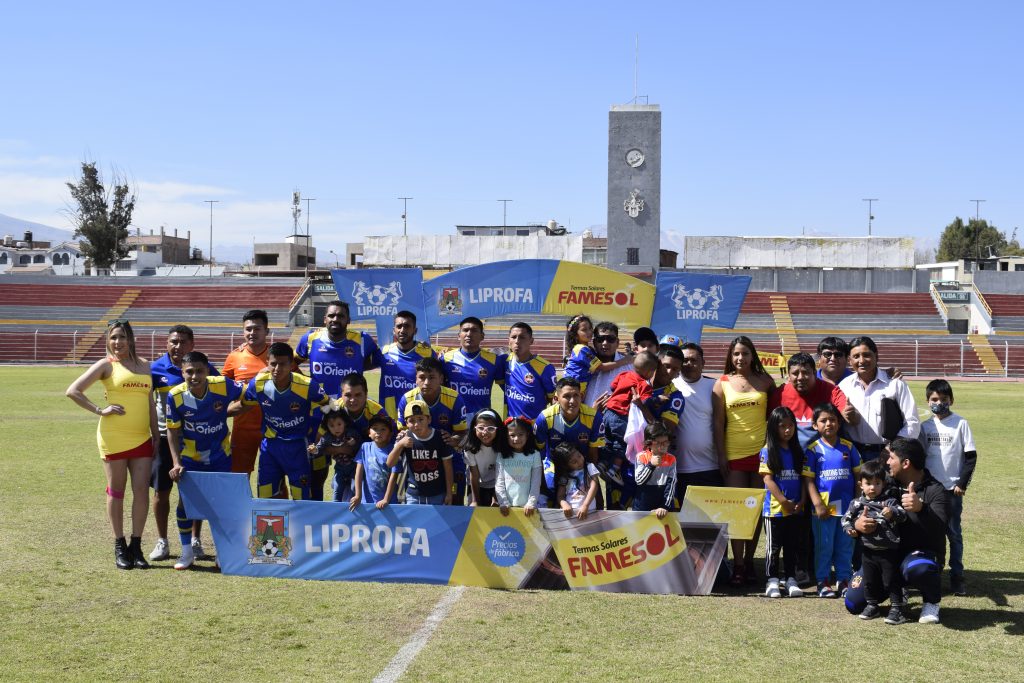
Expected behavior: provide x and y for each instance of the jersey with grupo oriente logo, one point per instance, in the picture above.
(528, 386)
(203, 422)
(474, 376)
(447, 413)
(286, 413)
(585, 432)
(669, 410)
(330, 361)
(398, 373)
(166, 375)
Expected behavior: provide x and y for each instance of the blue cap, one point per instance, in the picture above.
(671, 340)
(855, 599)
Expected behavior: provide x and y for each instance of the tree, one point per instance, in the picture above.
(973, 240)
(101, 216)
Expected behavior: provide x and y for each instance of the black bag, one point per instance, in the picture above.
(892, 419)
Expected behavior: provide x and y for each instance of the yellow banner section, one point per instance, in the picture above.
(601, 293)
(499, 551)
(774, 362)
(614, 556)
(739, 508)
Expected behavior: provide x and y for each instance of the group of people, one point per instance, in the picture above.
(852, 476)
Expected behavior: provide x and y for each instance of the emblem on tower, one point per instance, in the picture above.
(634, 205)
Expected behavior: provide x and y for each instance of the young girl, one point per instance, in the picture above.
(582, 362)
(782, 461)
(340, 442)
(485, 439)
(575, 481)
(655, 472)
(519, 469)
(831, 470)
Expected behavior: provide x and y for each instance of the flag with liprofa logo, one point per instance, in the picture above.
(379, 293)
(685, 303)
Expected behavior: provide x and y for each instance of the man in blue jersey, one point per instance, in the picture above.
(334, 351)
(197, 433)
(357, 405)
(166, 374)
(287, 400)
(471, 370)
(398, 362)
(529, 379)
(568, 419)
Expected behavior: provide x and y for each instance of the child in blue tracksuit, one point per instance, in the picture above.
(831, 466)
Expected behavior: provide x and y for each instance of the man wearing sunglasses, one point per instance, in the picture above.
(606, 347)
(833, 360)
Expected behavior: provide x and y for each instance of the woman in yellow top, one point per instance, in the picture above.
(127, 434)
(741, 399)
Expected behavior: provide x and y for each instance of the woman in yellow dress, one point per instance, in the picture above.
(126, 435)
(741, 396)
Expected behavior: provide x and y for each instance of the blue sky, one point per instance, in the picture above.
(777, 117)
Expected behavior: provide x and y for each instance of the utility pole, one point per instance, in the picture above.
(871, 214)
(977, 208)
(504, 211)
(307, 200)
(405, 216)
(209, 257)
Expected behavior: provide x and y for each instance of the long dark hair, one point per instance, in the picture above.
(755, 362)
(471, 442)
(774, 446)
(572, 327)
(531, 439)
(560, 459)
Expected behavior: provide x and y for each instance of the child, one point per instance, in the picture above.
(375, 481)
(339, 442)
(951, 458)
(630, 386)
(576, 481)
(781, 462)
(428, 459)
(519, 470)
(880, 562)
(582, 361)
(831, 469)
(655, 472)
(485, 440)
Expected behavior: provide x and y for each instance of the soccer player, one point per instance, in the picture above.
(166, 373)
(398, 362)
(472, 371)
(242, 365)
(529, 379)
(568, 419)
(197, 433)
(286, 400)
(334, 351)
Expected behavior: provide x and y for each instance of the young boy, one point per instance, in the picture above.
(878, 511)
(632, 386)
(338, 442)
(655, 472)
(428, 459)
(951, 458)
(375, 481)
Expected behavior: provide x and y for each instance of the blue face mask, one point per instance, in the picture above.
(939, 408)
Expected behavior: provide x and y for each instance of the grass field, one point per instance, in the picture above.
(71, 615)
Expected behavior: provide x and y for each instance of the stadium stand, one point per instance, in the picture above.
(1007, 312)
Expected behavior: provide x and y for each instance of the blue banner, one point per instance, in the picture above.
(685, 302)
(487, 290)
(379, 293)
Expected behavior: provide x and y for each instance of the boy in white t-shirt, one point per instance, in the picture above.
(949, 444)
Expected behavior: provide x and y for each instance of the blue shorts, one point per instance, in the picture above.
(280, 459)
(218, 462)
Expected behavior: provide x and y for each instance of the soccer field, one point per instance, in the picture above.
(71, 615)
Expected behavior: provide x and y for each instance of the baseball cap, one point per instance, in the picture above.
(644, 334)
(416, 407)
(671, 340)
(855, 600)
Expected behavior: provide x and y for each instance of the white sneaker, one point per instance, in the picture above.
(186, 559)
(793, 588)
(197, 549)
(929, 614)
(161, 551)
(772, 590)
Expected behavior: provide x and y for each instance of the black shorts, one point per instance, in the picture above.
(160, 477)
(703, 478)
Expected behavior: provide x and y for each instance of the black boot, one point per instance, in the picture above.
(135, 552)
(122, 558)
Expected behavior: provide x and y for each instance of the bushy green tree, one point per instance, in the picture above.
(972, 240)
(101, 216)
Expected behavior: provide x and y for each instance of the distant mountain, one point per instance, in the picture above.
(16, 227)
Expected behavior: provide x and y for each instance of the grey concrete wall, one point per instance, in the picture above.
(798, 279)
(892, 281)
(999, 282)
(634, 127)
(854, 280)
(844, 280)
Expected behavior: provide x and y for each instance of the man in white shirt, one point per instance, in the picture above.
(606, 344)
(697, 461)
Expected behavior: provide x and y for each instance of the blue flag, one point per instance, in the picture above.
(379, 293)
(685, 302)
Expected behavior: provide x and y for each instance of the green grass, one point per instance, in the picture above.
(71, 615)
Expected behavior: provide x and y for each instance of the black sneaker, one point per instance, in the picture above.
(122, 558)
(135, 553)
(871, 612)
(957, 585)
(895, 616)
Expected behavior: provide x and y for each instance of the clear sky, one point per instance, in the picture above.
(778, 117)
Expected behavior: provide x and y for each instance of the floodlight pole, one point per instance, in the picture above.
(871, 214)
(209, 257)
(504, 211)
(405, 216)
(977, 208)
(307, 200)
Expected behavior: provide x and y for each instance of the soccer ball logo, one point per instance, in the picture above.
(697, 299)
(450, 302)
(269, 542)
(377, 295)
(270, 548)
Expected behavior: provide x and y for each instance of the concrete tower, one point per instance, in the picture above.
(634, 187)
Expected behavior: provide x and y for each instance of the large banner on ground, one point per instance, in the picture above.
(608, 551)
(379, 293)
(686, 302)
(536, 286)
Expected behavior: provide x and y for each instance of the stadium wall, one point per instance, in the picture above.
(809, 280)
(999, 282)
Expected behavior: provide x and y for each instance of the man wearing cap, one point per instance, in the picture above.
(428, 459)
(644, 339)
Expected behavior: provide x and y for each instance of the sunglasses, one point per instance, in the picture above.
(605, 339)
(832, 354)
(116, 321)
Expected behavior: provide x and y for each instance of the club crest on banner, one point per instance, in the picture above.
(270, 542)
(376, 299)
(450, 302)
(697, 303)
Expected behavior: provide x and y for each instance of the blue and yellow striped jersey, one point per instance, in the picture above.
(330, 361)
(585, 432)
(474, 376)
(286, 412)
(203, 422)
(398, 373)
(582, 364)
(528, 386)
(447, 413)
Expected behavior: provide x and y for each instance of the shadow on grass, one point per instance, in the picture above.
(996, 586)
(966, 619)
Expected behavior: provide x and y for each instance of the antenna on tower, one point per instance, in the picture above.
(636, 66)
(296, 210)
